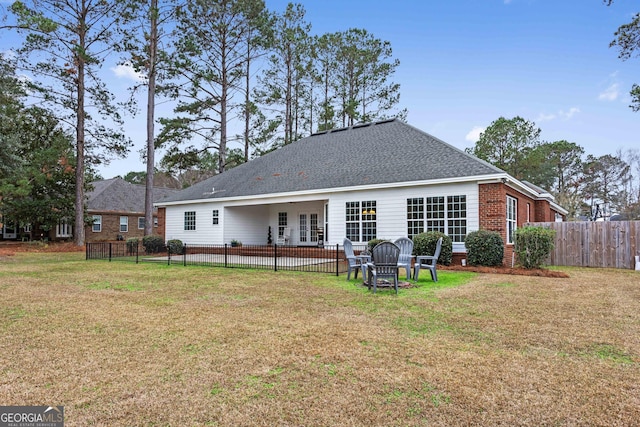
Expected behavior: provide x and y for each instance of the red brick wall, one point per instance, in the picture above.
(493, 206)
(493, 211)
(162, 221)
(111, 227)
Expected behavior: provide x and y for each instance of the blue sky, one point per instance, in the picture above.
(465, 63)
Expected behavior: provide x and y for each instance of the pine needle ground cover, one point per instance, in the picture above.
(120, 344)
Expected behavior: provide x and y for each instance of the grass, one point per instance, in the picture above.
(120, 344)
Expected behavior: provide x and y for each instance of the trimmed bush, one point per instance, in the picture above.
(534, 245)
(373, 242)
(175, 246)
(484, 248)
(425, 244)
(132, 245)
(153, 244)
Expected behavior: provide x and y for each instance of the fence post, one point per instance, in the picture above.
(110, 251)
(184, 255)
(137, 251)
(86, 251)
(225, 255)
(168, 255)
(337, 259)
(275, 257)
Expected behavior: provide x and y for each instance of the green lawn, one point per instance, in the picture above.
(120, 344)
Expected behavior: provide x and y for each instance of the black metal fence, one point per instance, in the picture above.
(328, 259)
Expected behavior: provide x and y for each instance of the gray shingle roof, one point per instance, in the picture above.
(376, 153)
(118, 195)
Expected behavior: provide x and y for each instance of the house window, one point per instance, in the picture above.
(27, 228)
(314, 227)
(141, 222)
(457, 217)
(353, 221)
(155, 221)
(361, 221)
(63, 229)
(415, 216)
(190, 220)
(124, 224)
(97, 224)
(282, 223)
(215, 217)
(303, 228)
(512, 215)
(433, 214)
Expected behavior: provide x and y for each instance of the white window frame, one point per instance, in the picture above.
(283, 222)
(190, 221)
(415, 216)
(141, 222)
(438, 213)
(215, 217)
(63, 229)
(124, 225)
(457, 218)
(361, 221)
(512, 219)
(97, 220)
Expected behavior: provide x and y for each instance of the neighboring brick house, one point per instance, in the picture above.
(375, 180)
(117, 209)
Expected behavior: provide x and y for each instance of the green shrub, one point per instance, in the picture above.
(373, 242)
(153, 244)
(425, 244)
(484, 248)
(534, 245)
(175, 247)
(132, 245)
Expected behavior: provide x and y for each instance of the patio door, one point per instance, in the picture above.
(308, 228)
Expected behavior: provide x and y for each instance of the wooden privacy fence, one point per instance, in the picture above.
(595, 244)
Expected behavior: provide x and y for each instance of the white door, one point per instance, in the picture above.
(308, 228)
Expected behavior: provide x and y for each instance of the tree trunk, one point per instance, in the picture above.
(151, 95)
(80, 142)
(224, 93)
(247, 100)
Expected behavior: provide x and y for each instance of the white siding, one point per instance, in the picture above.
(246, 224)
(249, 223)
(205, 232)
(391, 209)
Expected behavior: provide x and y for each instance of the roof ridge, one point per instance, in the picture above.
(355, 126)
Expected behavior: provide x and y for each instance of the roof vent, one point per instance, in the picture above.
(361, 125)
(339, 130)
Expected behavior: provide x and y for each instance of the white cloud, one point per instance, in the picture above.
(561, 114)
(611, 93)
(128, 72)
(543, 117)
(474, 134)
(568, 114)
